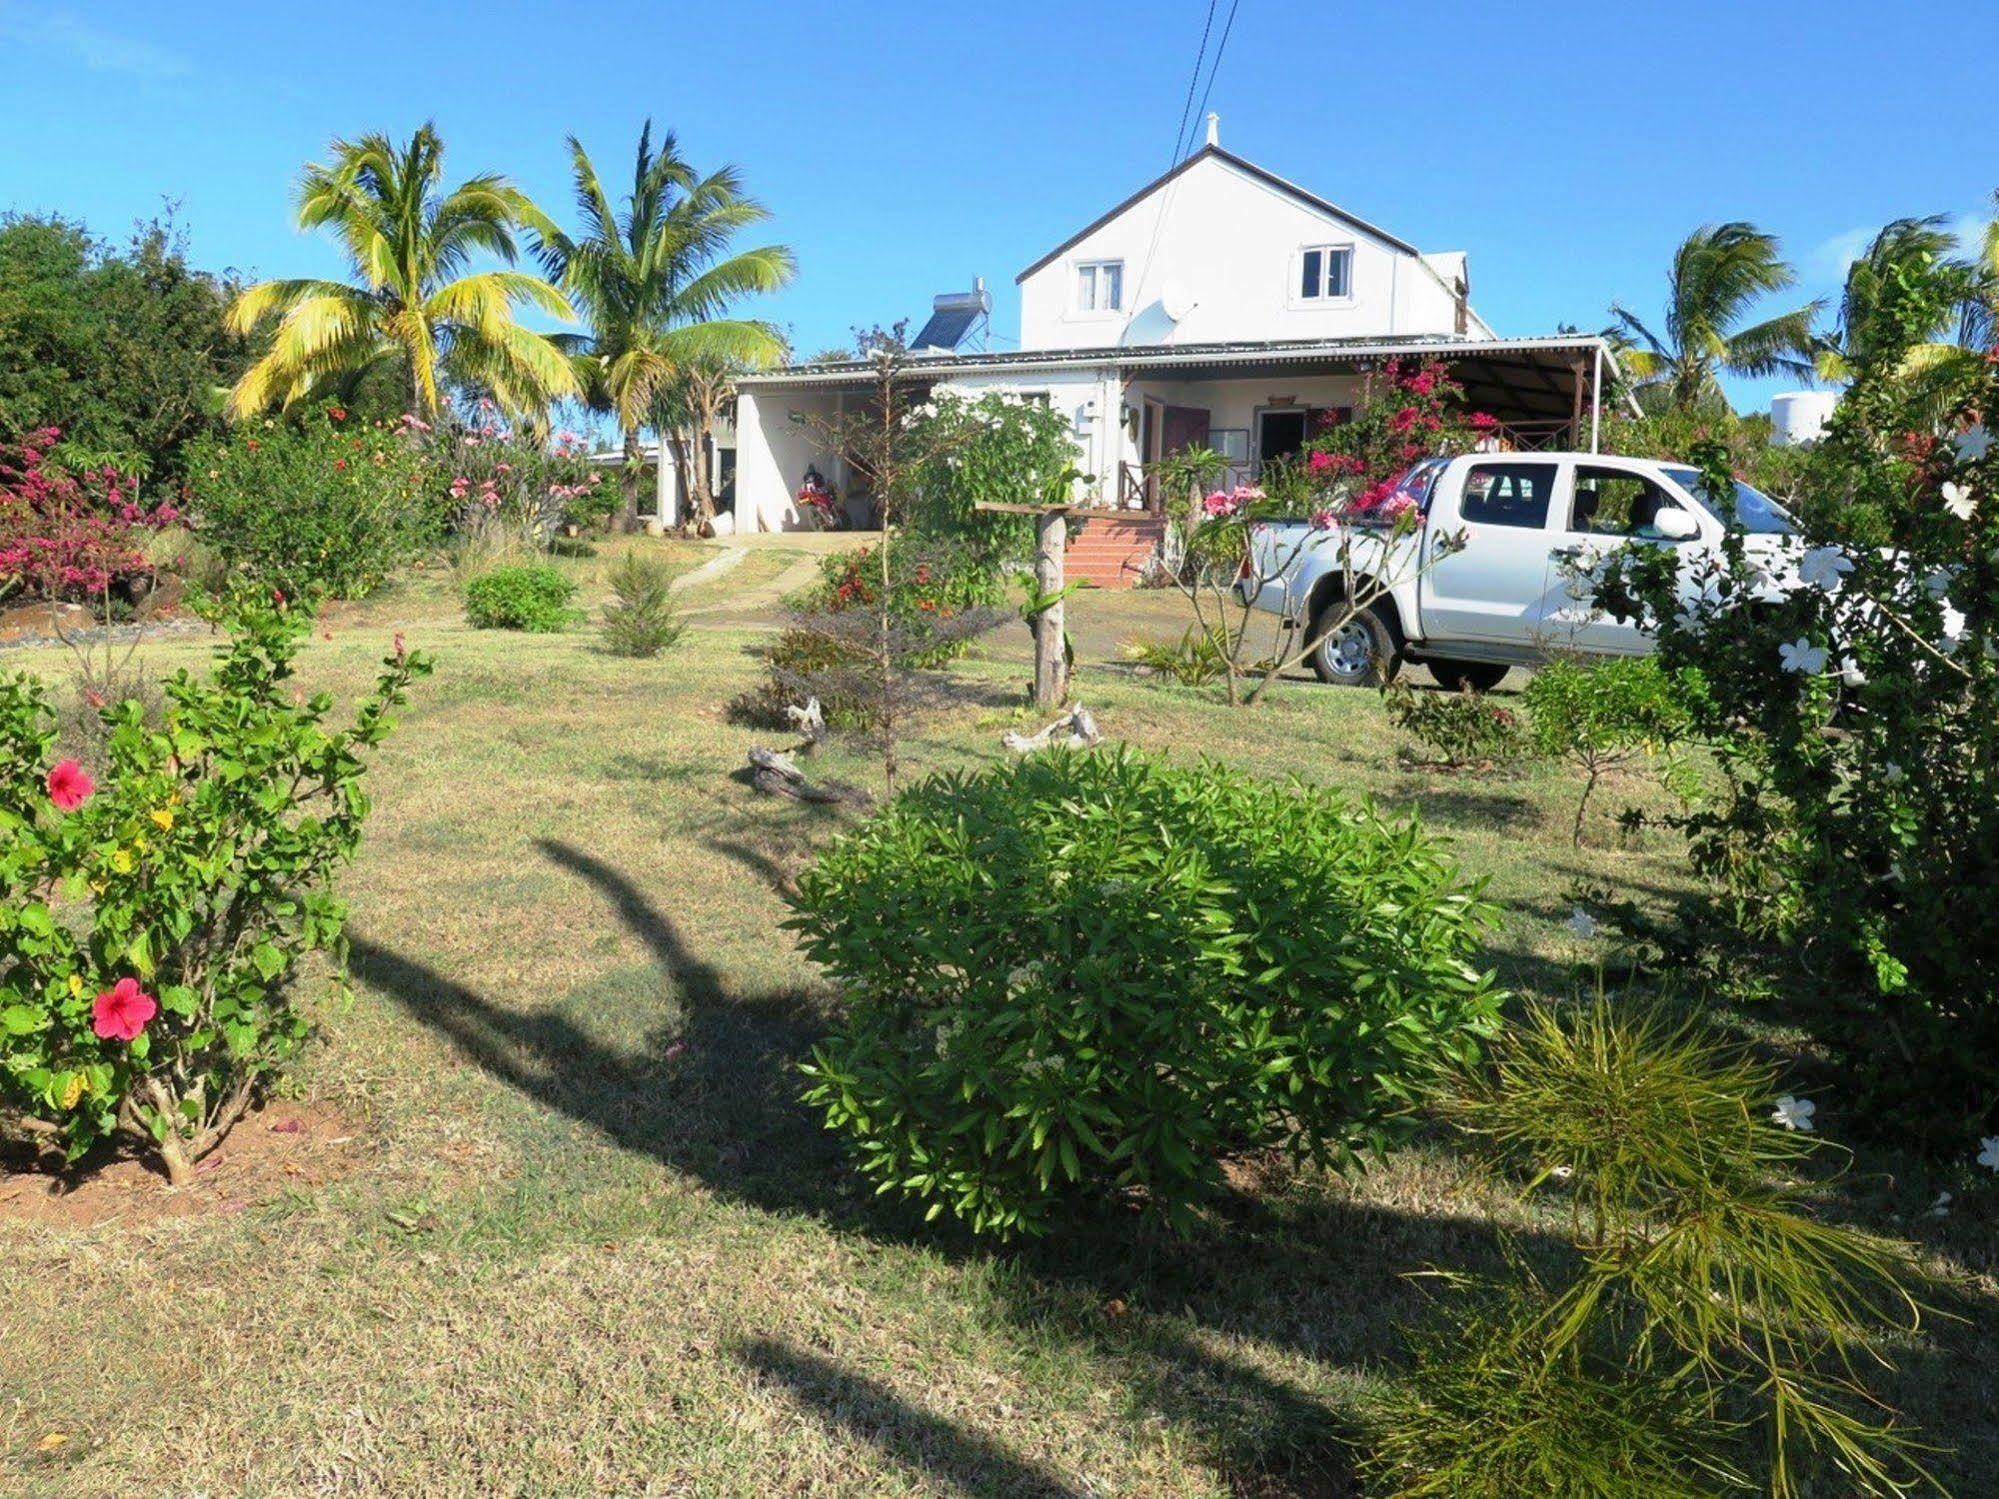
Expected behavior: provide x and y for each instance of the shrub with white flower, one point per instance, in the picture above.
(1793, 1113)
(1857, 835)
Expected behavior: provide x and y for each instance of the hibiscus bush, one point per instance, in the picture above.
(153, 924)
(1853, 705)
(70, 535)
(997, 448)
(1096, 973)
(318, 502)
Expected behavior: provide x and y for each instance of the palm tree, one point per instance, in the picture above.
(654, 281)
(413, 299)
(1718, 272)
(1909, 300)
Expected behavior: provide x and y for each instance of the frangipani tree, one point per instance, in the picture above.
(413, 298)
(654, 281)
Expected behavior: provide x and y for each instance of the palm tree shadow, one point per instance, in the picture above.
(716, 1096)
(929, 1445)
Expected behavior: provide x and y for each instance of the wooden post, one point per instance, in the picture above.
(1051, 543)
(1051, 666)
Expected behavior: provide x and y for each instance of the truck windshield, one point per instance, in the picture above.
(1755, 512)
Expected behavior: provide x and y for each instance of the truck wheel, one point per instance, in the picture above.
(1361, 652)
(1462, 676)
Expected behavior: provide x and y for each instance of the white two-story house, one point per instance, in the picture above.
(1220, 304)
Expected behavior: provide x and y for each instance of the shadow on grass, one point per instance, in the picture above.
(1311, 1270)
(927, 1444)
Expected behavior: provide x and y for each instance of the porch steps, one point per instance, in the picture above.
(1110, 551)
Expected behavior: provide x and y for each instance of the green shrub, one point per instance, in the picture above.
(930, 584)
(1198, 658)
(532, 596)
(152, 923)
(643, 617)
(1710, 1322)
(1100, 973)
(1463, 729)
(315, 503)
(1602, 716)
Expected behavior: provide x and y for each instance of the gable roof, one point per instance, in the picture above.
(1267, 178)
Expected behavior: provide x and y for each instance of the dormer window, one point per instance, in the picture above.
(1325, 273)
(1100, 286)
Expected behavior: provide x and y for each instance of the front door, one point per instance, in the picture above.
(1180, 428)
(1495, 590)
(1280, 433)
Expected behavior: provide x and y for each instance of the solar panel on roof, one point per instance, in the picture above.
(947, 328)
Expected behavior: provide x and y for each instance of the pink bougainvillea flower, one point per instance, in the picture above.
(70, 785)
(120, 1013)
(1320, 462)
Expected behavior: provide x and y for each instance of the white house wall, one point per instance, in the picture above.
(779, 434)
(1233, 242)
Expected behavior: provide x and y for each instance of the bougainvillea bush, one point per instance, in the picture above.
(1853, 704)
(318, 502)
(1101, 974)
(69, 535)
(1350, 490)
(153, 922)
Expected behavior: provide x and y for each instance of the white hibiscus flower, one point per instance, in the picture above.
(1581, 924)
(1802, 656)
(1988, 1153)
(1794, 1113)
(1959, 501)
(1823, 567)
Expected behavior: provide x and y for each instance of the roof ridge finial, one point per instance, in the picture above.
(1214, 128)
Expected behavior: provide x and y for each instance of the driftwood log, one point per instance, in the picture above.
(773, 773)
(1075, 729)
(808, 720)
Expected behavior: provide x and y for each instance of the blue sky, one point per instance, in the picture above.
(907, 147)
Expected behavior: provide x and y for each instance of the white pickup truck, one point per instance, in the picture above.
(1487, 580)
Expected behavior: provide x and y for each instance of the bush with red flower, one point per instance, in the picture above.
(70, 535)
(317, 502)
(153, 920)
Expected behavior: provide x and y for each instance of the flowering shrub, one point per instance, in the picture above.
(152, 923)
(68, 536)
(528, 488)
(1354, 492)
(1355, 467)
(1096, 973)
(316, 503)
(928, 585)
(534, 597)
(1861, 836)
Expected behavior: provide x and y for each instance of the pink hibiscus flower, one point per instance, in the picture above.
(70, 785)
(120, 1013)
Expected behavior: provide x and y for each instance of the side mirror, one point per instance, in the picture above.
(1676, 525)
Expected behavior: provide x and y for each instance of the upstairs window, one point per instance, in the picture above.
(1325, 273)
(1100, 286)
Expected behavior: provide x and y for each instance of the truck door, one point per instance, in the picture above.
(1609, 506)
(1495, 589)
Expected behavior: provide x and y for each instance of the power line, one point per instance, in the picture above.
(1220, 48)
(1193, 81)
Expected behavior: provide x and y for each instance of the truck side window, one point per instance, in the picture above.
(1617, 502)
(1508, 494)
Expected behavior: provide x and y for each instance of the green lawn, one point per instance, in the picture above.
(582, 1239)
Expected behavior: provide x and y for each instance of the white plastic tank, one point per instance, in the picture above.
(1799, 416)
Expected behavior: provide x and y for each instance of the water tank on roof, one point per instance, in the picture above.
(1799, 416)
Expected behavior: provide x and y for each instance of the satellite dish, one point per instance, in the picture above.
(1175, 300)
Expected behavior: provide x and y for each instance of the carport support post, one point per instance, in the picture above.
(1051, 666)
